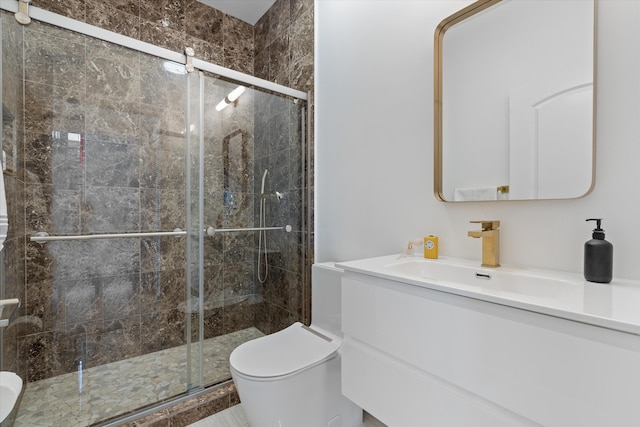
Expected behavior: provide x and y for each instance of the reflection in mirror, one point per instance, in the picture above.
(514, 101)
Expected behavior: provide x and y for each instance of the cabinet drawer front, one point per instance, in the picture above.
(549, 370)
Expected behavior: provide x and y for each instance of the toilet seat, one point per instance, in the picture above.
(283, 353)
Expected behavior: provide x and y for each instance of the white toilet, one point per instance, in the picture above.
(292, 378)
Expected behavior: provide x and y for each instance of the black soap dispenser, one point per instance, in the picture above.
(598, 256)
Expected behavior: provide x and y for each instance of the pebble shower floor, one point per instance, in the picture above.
(74, 400)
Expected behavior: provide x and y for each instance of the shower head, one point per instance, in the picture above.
(264, 176)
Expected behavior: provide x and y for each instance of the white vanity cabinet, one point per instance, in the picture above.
(415, 357)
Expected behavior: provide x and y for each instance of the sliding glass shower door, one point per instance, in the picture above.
(156, 221)
(98, 220)
(252, 163)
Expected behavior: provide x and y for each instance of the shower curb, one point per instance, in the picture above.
(185, 412)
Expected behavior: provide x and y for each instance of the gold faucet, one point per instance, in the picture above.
(490, 242)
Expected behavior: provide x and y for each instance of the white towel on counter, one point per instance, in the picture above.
(475, 193)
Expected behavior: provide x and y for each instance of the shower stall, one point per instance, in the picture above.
(137, 197)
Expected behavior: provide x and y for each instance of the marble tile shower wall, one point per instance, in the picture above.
(284, 54)
(173, 24)
(278, 151)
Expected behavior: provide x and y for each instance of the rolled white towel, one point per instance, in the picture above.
(475, 193)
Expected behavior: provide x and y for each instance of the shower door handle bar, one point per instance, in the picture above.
(43, 236)
(211, 231)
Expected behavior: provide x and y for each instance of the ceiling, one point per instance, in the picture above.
(247, 10)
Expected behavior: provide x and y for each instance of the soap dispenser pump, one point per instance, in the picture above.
(598, 256)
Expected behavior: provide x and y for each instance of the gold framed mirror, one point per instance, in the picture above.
(515, 101)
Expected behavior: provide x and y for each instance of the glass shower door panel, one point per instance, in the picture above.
(11, 262)
(195, 229)
(104, 321)
(252, 157)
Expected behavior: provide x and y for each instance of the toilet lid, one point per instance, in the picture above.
(292, 349)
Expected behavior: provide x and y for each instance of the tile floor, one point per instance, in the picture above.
(235, 417)
(90, 395)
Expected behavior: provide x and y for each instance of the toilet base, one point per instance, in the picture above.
(310, 398)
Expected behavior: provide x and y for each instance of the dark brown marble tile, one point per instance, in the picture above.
(238, 280)
(238, 61)
(262, 319)
(279, 57)
(155, 33)
(159, 332)
(274, 289)
(172, 253)
(44, 308)
(54, 60)
(172, 176)
(213, 285)
(120, 340)
(10, 354)
(238, 316)
(120, 296)
(261, 34)
(301, 53)
(129, 6)
(162, 291)
(122, 19)
(238, 36)
(167, 13)
(111, 117)
(83, 301)
(35, 353)
(151, 10)
(213, 322)
(113, 71)
(162, 85)
(149, 254)
(14, 270)
(12, 53)
(237, 246)
(210, 52)
(157, 419)
(234, 399)
(71, 8)
(279, 19)
(185, 416)
(149, 209)
(213, 251)
(213, 407)
(111, 163)
(204, 22)
(110, 210)
(68, 350)
(280, 318)
(299, 7)
(50, 109)
(55, 211)
(150, 126)
(171, 209)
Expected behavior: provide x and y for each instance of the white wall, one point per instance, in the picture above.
(374, 139)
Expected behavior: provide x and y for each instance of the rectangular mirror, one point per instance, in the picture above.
(514, 101)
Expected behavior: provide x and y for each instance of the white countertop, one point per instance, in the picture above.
(566, 295)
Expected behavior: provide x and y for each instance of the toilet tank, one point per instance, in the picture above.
(326, 301)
